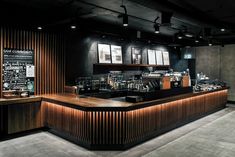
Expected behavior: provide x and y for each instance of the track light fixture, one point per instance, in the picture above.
(156, 26)
(124, 16)
(125, 20)
(157, 29)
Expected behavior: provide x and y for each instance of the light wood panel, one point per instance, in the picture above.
(49, 50)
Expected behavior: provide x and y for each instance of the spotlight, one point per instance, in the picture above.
(125, 16)
(196, 41)
(125, 20)
(222, 29)
(210, 44)
(157, 28)
(39, 28)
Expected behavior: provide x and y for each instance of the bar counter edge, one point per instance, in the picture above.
(97, 126)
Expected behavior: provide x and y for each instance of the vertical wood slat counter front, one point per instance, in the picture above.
(106, 124)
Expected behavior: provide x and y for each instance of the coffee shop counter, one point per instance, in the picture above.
(97, 123)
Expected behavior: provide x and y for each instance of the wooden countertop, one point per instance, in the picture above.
(97, 104)
(84, 103)
(20, 100)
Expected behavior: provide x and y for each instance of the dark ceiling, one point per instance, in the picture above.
(191, 16)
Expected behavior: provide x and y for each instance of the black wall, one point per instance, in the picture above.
(82, 53)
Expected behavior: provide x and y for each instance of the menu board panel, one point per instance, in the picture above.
(104, 53)
(116, 54)
(136, 55)
(18, 70)
(166, 59)
(159, 57)
(151, 57)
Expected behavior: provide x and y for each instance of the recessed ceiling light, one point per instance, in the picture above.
(73, 27)
(196, 41)
(180, 37)
(39, 28)
(210, 44)
(125, 24)
(222, 29)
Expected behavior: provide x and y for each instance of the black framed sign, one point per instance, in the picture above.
(18, 70)
(104, 54)
(136, 55)
(159, 59)
(166, 58)
(116, 52)
(151, 57)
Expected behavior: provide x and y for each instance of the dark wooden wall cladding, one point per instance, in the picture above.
(49, 49)
(23, 117)
(2, 120)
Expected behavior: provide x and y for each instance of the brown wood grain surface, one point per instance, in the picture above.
(125, 128)
(49, 52)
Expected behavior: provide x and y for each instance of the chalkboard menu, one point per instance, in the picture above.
(18, 70)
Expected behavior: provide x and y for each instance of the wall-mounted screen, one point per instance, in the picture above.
(104, 53)
(159, 57)
(151, 57)
(116, 52)
(166, 59)
(136, 55)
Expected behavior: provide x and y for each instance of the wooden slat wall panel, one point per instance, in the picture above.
(49, 52)
(24, 117)
(120, 128)
(141, 123)
(71, 122)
